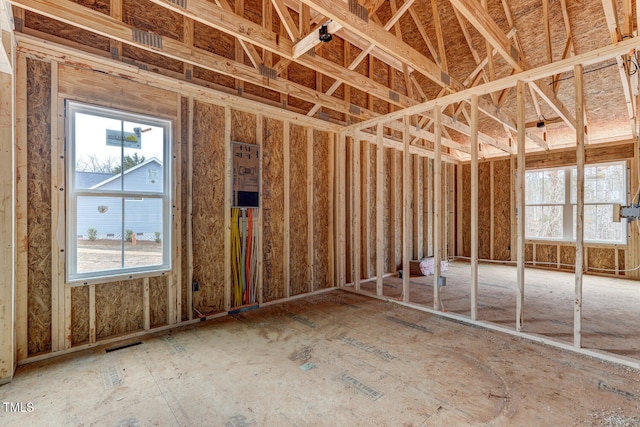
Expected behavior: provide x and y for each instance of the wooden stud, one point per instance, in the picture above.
(492, 223)
(22, 242)
(176, 275)
(366, 208)
(7, 231)
(406, 209)
(459, 210)
(260, 254)
(287, 207)
(451, 213)
(227, 208)
(356, 224)
(580, 158)
(379, 208)
(520, 208)
(418, 226)
(474, 207)
(92, 313)
(146, 304)
(393, 210)
(512, 203)
(430, 209)
(342, 209)
(332, 210)
(310, 208)
(189, 222)
(437, 207)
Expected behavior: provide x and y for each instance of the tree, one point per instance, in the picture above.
(92, 163)
(129, 162)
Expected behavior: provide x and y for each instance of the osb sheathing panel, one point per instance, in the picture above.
(261, 92)
(144, 15)
(65, 31)
(372, 211)
(119, 308)
(79, 315)
(153, 61)
(380, 75)
(103, 6)
(528, 252)
(158, 300)
(213, 40)
(567, 256)
(212, 77)
(273, 210)
(39, 205)
(298, 264)
(501, 209)
(243, 127)
(601, 258)
(546, 255)
(484, 211)
(621, 264)
(466, 213)
(388, 263)
(208, 207)
(184, 155)
(322, 182)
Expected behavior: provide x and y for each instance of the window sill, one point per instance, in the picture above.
(573, 243)
(118, 277)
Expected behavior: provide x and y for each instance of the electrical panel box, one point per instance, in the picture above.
(246, 175)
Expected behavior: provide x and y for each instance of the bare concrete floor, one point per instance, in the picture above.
(611, 306)
(334, 359)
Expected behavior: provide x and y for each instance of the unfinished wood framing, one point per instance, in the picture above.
(580, 140)
(361, 170)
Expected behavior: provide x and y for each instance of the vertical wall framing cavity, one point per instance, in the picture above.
(474, 207)
(437, 206)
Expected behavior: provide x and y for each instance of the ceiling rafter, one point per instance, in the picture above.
(616, 33)
(287, 21)
(68, 12)
(378, 36)
(251, 51)
(480, 19)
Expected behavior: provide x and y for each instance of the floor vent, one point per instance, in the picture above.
(121, 346)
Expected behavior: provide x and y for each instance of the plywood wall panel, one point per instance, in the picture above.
(502, 209)
(39, 205)
(299, 249)
(601, 258)
(243, 127)
(65, 31)
(273, 210)
(147, 16)
(151, 60)
(621, 263)
(158, 301)
(371, 208)
(79, 315)
(388, 259)
(208, 207)
(322, 182)
(120, 308)
(466, 213)
(567, 257)
(546, 255)
(484, 211)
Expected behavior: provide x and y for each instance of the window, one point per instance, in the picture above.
(118, 203)
(550, 198)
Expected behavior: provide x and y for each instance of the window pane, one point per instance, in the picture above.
(542, 187)
(599, 225)
(543, 222)
(143, 232)
(99, 233)
(143, 161)
(602, 184)
(95, 160)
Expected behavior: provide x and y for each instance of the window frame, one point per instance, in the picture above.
(71, 200)
(568, 205)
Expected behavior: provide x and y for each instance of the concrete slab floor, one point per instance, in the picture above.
(333, 359)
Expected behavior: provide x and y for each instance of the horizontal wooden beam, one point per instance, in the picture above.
(595, 56)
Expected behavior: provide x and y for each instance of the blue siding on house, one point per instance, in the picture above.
(105, 213)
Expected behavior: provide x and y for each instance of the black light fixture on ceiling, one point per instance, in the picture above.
(540, 124)
(324, 36)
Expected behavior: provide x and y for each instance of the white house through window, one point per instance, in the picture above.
(118, 203)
